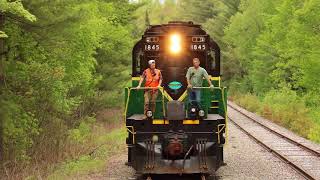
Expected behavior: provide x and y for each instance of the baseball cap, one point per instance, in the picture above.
(152, 61)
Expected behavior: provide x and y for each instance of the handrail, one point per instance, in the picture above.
(144, 88)
(223, 103)
(205, 88)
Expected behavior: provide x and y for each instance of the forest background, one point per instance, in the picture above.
(64, 64)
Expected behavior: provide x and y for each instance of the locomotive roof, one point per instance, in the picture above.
(186, 27)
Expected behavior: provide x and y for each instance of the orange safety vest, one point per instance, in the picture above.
(152, 79)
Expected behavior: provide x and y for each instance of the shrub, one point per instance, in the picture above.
(83, 131)
(19, 127)
(249, 101)
(289, 110)
(314, 134)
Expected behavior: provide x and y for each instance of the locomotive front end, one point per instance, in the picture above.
(179, 137)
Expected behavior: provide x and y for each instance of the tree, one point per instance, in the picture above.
(54, 67)
(147, 20)
(197, 11)
(14, 10)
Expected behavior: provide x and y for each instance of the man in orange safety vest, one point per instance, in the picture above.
(153, 79)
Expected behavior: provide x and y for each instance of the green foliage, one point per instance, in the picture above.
(110, 99)
(53, 69)
(289, 110)
(3, 35)
(197, 11)
(275, 42)
(158, 13)
(19, 125)
(16, 8)
(87, 164)
(83, 131)
(314, 134)
(249, 101)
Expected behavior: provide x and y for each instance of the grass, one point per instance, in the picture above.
(84, 150)
(112, 143)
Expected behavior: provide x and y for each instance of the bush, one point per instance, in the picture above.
(249, 101)
(289, 110)
(82, 132)
(19, 127)
(314, 134)
(110, 99)
(110, 144)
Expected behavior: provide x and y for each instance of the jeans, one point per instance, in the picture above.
(195, 97)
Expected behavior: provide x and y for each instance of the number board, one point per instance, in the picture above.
(152, 47)
(198, 47)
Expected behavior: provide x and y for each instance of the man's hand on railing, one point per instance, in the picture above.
(210, 87)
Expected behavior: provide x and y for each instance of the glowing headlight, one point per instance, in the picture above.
(201, 113)
(175, 43)
(149, 114)
(193, 110)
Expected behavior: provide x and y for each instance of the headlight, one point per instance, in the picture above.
(149, 114)
(193, 110)
(201, 113)
(175, 43)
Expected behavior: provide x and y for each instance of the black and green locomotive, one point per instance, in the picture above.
(179, 137)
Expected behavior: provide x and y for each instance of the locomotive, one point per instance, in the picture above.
(179, 137)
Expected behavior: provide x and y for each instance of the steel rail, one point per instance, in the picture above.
(264, 145)
(312, 151)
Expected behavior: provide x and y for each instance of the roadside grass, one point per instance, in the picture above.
(284, 108)
(85, 149)
(111, 143)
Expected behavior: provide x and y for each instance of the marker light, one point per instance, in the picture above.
(175, 43)
(201, 113)
(149, 114)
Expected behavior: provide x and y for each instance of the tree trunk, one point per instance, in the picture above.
(2, 82)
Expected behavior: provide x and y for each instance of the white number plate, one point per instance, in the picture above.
(152, 47)
(198, 47)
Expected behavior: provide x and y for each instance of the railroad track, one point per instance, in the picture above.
(301, 158)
